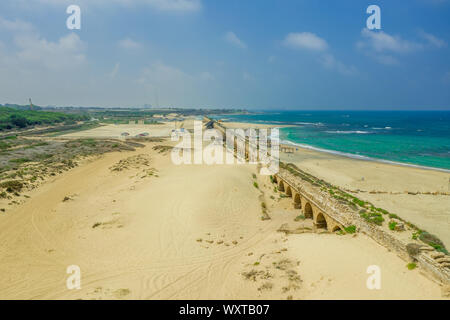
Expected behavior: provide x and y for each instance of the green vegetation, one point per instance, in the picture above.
(255, 184)
(416, 234)
(14, 118)
(411, 266)
(12, 186)
(20, 160)
(392, 225)
(350, 229)
(299, 217)
(254, 176)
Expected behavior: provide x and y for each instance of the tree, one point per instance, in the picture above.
(18, 121)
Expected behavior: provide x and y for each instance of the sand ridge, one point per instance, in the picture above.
(187, 232)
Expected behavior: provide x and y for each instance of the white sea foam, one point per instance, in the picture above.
(360, 157)
(348, 131)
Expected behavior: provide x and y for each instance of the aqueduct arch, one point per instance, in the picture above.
(297, 201)
(288, 191)
(321, 222)
(308, 211)
(336, 228)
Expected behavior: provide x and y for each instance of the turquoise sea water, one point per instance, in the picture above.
(411, 137)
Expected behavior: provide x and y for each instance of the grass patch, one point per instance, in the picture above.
(350, 229)
(411, 266)
(392, 225)
(20, 160)
(12, 186)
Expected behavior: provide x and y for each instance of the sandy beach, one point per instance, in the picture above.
(140, 227)
(417, 195)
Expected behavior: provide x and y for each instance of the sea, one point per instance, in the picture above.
(413, 138)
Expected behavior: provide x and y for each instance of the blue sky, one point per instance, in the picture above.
(253, 54)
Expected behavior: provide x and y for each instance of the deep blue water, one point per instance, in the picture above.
(411, 137)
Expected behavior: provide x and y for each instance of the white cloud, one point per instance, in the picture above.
(312, 42)
(432, 40)
(115, 70)
(206, 76)
(181, 6)
(305, 40)
(379, 41)
(128, 43)
(247, 76)
(330, 62)
(233, 39)
(30, 50)
(15, 26)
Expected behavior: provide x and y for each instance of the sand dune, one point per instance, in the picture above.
(182, 232)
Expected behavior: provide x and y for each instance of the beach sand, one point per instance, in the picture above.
(115, 131)
(162, 231)
(393, 187)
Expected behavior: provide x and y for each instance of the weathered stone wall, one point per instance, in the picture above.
(337, 214)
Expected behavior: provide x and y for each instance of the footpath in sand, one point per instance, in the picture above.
(140, 227)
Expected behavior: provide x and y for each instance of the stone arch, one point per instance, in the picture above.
(321, 222)
(281, 186)
(297, 201)
(308, 211)
(288, 191)
(336, 228)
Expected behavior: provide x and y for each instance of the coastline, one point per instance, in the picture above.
(361, 157)
(167, 236)
(417, 194)
(354, 153)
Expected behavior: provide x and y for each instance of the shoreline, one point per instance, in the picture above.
(215, 234)
(271, 125)
(362, 157)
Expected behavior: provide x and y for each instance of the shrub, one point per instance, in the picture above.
(411, 266)
(413, 249)
(416, 235)
(254, 176)
(350, 229)
(12, 186)
(20, 160)
(392, 225)
(430, 238)
(359, 202)
(255, 184)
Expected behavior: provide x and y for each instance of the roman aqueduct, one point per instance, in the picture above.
(310, 207)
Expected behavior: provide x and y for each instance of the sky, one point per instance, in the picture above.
(253, 54)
